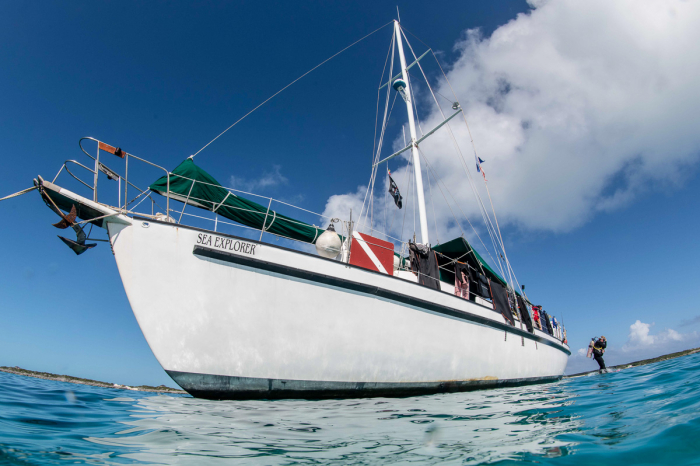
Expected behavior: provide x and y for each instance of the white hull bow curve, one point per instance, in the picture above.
(232, 318)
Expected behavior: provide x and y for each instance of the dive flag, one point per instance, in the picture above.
(394, 191)
(479, 161)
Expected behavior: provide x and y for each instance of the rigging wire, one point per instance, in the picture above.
(471, 138)
(484, 214)
(409, 171)
(376, 169)
(414, 105)
(375, 155)
(432, 202)
(491, 230)
(373, 176)
(406, 180)
(413, 199)
(288, 85)
(386, 200)
(430, 168)
(376, 115)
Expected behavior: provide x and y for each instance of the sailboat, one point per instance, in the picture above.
(236, 317)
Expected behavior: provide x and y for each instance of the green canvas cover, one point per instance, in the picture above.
(459, 248)
(191, 184)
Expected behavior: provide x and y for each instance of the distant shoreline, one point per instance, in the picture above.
(643, 361)
(93, 383)
(164, 389)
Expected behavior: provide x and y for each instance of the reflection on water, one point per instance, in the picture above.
(466, 427)
(643, 415)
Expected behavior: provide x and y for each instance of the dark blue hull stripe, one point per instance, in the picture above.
(222, 387)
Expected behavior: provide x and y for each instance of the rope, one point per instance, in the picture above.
(24, 191)
(375, 156)
(471, 138)
(288, 85)
(409, 173)
(420, 152)
(484, 213)
(376, 120)
(432, 202)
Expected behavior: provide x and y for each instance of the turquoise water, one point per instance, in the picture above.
(643, 415)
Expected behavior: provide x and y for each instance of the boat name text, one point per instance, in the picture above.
(226, 243)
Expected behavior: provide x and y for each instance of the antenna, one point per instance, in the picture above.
(398, 16)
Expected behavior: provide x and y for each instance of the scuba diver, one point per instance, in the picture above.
(598, 350)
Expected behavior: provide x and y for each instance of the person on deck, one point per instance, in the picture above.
(598, 350)
(536, 316)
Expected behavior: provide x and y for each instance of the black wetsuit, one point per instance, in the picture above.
(598, 348)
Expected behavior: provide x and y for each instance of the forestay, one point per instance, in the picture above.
(191, 184)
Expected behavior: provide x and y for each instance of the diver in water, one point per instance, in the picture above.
(598, 350)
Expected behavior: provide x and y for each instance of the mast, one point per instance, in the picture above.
(414, 147)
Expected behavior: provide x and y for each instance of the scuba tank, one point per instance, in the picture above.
(590, 348)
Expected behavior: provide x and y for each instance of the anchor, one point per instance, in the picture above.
(79, 246)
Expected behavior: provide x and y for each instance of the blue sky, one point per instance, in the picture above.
(602, 245)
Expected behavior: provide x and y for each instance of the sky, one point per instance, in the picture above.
(585, 115)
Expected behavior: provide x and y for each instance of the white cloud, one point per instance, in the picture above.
(339, 205)
(576, 108)
(267, 180)
(640, 338)
(675, 336)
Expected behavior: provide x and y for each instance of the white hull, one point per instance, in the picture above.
(235, 318)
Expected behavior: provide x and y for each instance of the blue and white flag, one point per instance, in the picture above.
(479, 161)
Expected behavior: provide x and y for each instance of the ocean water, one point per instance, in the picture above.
(642, 415)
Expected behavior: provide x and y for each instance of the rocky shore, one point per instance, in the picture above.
(642, 362)
(94, 383)
(163, 389)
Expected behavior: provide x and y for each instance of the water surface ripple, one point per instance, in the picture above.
(642, 415)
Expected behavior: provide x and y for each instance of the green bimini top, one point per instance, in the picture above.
(461, 250)
(191, 184)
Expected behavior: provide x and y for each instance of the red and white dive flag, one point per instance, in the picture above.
(372, 253)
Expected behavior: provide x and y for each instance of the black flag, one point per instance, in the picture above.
(394, 191)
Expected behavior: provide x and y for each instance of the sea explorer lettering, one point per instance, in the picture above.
(226, 244)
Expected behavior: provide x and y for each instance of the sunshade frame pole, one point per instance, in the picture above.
(186, 201)
(97, 174)
(262, 230)
(414, 149)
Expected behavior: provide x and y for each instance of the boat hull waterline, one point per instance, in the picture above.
(232, 318)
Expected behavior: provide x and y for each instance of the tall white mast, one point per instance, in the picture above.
(414, 147)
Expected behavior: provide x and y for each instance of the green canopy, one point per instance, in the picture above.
(191, 184)
(460, 249)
